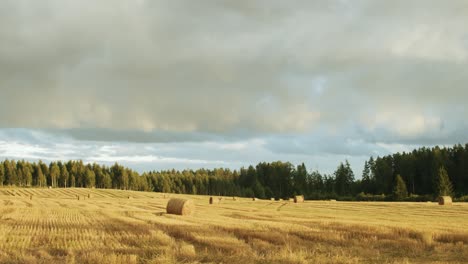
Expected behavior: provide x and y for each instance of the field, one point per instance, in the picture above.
(56, 227)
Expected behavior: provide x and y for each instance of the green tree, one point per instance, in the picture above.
(444, 185)
(2, 173)
(45, 173)
(300, 179)
(399, 191)
(63, 178)
(54, 174)
(10, 172)
(89, 178)
(344, 178)
(27, 173)
(39, 176)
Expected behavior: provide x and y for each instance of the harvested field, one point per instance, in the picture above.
(55, 227)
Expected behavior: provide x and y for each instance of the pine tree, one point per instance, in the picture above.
(444, 185)
(344, 177)
(400, 191)
(366, 178)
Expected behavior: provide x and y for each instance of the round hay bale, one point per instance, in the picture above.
(280, 200)
(291, 199)
(445, 200)
(254, 199)
(180, 206)
(299, 198)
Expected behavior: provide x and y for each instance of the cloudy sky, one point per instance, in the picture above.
(189, 84)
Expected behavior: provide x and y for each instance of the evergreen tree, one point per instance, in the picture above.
(366, 181)
(344, 177)
(444, 185)
(400, 191)
(300, 180)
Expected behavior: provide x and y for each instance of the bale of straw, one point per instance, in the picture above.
(332, 200)
(272, 199)
(254, 199)
(179, 206)
(299, 198)
(280, 200)
(291, 199)
(445, 200)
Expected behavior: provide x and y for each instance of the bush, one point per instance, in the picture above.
(463, 199)
(371, 197)
(419, 198)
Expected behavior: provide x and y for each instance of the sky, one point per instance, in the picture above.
(187, 84)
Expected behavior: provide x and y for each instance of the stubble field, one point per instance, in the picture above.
(56, 227)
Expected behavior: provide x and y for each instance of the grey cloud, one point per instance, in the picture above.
(166, 71)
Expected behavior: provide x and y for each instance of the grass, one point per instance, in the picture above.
(56, 227)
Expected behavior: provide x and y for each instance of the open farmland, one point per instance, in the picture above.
(56, 227)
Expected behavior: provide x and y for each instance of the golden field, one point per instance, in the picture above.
(56, 227)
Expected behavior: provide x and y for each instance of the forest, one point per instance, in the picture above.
(419, 175)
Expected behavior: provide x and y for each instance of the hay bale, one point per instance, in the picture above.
(254, 199)
(445, 200)
(211, 200)
(332, 200)
(299, 198)
(291, 199)
(180, 206)
(272, 199)
(280, 200)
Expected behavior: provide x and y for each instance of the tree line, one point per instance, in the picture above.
(418, 175)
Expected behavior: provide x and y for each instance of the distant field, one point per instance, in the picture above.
(56, 227)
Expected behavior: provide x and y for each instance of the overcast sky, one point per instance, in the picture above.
(189, 84)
